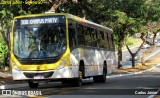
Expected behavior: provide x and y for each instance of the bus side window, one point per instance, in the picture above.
(72, 40)
(106, 45)
(113, 42)
(101, 39)
(97, 39)
(109, 46)
(110, 41)
(80, 34)
(88, 38)
(94, 38)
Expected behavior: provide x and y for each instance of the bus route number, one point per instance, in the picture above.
(24, 22)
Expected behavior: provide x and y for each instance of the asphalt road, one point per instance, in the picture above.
(119, 87)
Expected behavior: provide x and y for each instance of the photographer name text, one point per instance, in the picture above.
(29, 2)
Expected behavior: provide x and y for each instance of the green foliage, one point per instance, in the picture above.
(22, 12)
(152, 9)
(3, 53)
(6, 18)
(131, 41)
(3, 48)
(1, 38)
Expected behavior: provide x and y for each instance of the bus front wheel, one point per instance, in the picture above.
(77, 82)
(32, 84)
(65, 81)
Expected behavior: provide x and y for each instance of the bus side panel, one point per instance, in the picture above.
(93, 60)
(74, 62)
(111, 62)
(96, 58)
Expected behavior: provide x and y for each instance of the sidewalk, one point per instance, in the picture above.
(6, 81)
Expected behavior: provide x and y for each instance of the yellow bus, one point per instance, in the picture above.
(60, 46)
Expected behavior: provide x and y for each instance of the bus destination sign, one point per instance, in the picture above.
(46, 20)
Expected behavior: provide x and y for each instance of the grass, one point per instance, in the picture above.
(132, 41)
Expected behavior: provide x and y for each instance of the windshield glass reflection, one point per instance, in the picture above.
(40, 41)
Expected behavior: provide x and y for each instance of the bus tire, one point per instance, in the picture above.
(77, 82)
(33, 85)
(82, 68)
(101, 78)
(65, 81)
(96, 79)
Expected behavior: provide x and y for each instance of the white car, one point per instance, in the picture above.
(137, 57)
(158, 43)
(145, 46)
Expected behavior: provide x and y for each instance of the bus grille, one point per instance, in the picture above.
(44, 74)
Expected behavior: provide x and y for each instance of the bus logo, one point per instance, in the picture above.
(6, 92)
(38, 67)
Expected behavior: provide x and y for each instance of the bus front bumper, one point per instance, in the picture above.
(62, 73)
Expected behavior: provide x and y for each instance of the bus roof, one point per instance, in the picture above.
(93, 24)
(73, 17)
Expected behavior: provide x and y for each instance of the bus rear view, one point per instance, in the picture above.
(38, 48)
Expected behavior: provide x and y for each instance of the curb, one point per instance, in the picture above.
(133, 73)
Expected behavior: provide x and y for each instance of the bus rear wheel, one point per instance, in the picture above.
(101, 78)
(32, 84)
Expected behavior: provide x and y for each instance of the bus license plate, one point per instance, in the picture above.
(39, 77)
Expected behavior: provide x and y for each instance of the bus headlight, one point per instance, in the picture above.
(62, 64)
(16, 66)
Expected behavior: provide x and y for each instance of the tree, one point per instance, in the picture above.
(56, 3)
(6, 17)
(126, 21)
(152, 28)
(133, 55)
(151, 17)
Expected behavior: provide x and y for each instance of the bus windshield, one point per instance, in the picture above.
(39, 37)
